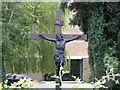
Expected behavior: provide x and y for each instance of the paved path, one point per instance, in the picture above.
(65, 84)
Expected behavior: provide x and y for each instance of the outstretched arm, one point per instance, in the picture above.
(73, 38)
(47, 38)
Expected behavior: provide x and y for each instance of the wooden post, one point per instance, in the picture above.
(58, 17)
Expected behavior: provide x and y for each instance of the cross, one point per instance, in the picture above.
(60, 40)
(58, 30)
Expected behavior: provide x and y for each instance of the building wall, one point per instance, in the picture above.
(86, 69)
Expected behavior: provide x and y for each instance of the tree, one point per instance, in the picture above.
(20, 54)
(101, 22)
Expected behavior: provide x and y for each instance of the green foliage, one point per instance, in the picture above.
(20, 84)
(101, 21)
(67, 64)
(96, 39)
(20, 54)
(81, 16)
(1, 86)
(91, 21)
(118, 50)
(107, 81)
(110, 79)
(110, 60)
(75, 86)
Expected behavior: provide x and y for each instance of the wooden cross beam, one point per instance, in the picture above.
(58, 30)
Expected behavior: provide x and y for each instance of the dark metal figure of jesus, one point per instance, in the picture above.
(60, 46)
(60, 40)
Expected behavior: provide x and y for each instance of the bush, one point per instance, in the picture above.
(20, 84)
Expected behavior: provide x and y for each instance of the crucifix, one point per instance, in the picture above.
(60, 40)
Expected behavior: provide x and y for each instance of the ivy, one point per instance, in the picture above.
(101, 21)
(97, 40)
(118, 50)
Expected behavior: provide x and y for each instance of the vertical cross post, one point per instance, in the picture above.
(58, 23)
